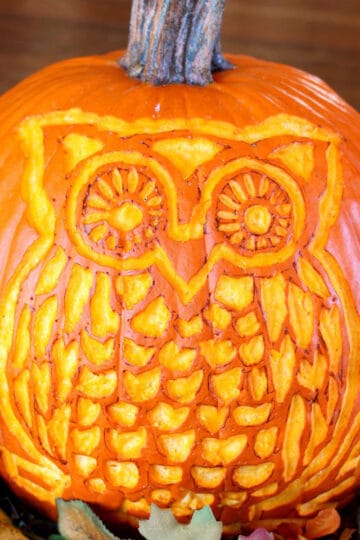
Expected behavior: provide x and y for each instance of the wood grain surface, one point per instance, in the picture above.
(319, 36)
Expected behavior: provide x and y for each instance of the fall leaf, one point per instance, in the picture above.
(347, 534)
(325, 522)
(7, 530)
(162, 525)
(258, 534)
(78, 522)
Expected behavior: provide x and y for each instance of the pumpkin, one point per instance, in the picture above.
(179, 316)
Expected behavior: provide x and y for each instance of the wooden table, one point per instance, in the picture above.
(320, 36)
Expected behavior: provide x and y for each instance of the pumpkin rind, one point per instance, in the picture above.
(179, 331)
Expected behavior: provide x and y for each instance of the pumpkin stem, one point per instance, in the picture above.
(175, 41)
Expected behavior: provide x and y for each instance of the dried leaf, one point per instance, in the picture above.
(326, 522)
(78, 522)
(258, 534)
(162, 525)
(347, 534)
(7, 530)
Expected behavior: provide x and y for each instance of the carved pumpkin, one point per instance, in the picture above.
(179, 317)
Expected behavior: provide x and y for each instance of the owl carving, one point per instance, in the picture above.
(177, 331)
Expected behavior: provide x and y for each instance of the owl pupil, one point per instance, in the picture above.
(126, 217)
(258, 219)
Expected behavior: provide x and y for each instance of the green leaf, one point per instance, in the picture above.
(162, 525)
(78, 522)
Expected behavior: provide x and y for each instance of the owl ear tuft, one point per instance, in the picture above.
(78, 147)
(298, 157)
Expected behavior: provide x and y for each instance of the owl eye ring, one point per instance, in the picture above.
(256, 213)
(115, 204)
(121, 208)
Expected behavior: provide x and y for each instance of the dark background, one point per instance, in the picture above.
(320, 36)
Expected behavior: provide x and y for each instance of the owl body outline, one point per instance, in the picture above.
(41, 216)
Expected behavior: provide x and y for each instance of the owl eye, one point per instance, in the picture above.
(254, 213)
(121, 208)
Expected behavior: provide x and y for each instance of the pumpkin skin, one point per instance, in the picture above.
(179, 316)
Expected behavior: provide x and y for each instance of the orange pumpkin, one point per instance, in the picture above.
(179, 316)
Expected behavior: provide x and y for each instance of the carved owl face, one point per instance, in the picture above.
(178, 328)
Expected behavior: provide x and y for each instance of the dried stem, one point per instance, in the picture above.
(175, 41)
